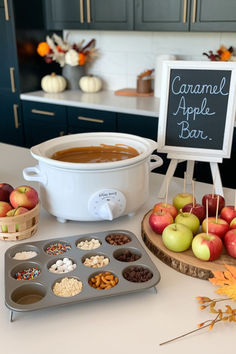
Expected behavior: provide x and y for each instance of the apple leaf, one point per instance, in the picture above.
(226, 280)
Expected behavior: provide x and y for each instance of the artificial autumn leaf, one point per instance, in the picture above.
(226, 280)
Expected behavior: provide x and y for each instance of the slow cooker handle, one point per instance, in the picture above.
(33, 174)
(157, 162)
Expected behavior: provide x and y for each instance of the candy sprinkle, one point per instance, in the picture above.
(27, 274)
(57, 248)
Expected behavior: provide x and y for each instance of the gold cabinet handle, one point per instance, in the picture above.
(12, 78)
(194, 11)
(7, 17)
(185, 11)
(37, 111)
(101, 121)
(81, 11)
(88, 11)
(15, 111)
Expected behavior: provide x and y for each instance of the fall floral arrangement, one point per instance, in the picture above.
(222, 54)
(227, 286)
(62, 52)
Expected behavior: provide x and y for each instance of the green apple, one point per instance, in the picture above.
(190, 220)
(4, 228)
(177, 237)
(181, 199)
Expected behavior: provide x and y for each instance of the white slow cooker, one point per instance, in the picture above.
(93, 191)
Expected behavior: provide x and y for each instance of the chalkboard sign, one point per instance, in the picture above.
(197, 110)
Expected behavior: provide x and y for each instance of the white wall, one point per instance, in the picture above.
(124, 55)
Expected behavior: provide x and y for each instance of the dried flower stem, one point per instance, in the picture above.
(186, 334)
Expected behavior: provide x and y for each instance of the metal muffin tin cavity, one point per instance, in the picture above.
(37, 293)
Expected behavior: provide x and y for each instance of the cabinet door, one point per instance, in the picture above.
(110, 14)
(217, 15)
(64, 14)
(11, 129)
(8, 80)
(82, 120)
(162, 15)
(43, 121)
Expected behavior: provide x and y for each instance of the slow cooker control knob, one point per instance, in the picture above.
(107, 204)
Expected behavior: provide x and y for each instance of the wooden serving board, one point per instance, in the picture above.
(132, 92)
(184, 262)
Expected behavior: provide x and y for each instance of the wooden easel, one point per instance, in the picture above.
(189, 175)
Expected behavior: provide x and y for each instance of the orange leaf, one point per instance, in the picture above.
(226, 280)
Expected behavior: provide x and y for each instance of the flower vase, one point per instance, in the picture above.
(72, 74)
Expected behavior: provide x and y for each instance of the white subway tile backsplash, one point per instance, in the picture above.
(123, 54)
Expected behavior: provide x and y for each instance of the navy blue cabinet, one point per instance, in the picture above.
(11, 130)
(185, 15)
(43, 121)
(89, 14)
(83, 120)
(162, 15)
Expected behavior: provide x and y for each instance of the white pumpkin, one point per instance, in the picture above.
(90, 84)
(53, 83)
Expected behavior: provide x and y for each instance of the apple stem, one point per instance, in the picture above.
(207, 216)
(217, 207)
(235, 200)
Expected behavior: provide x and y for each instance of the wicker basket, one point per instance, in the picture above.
(20, 226)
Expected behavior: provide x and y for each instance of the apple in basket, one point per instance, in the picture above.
(5, 190)
(4, 208)
(24, 196)
(14, 212)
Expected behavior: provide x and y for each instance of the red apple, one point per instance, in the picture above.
(198, 210)
(217, 227)
(4, 208)
(207, 247)
(17, 211)
(228, 213)
(5, 191)
(167, 207)
(230, 242)
(24, 196)
(159, 220)
(233, 224)
(212, 203)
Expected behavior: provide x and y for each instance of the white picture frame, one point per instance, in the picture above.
(195, 153)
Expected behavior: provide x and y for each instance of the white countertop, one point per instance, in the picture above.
(103, 100)
(134, 323)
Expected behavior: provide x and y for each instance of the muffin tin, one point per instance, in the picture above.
(37, 293)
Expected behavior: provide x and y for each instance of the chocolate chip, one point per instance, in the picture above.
(137, 274)
(117, 239)
(127, 256)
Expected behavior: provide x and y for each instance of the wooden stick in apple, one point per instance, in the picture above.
(167, 188)
(193, 192)
(217, 207)
(235, 200)
(184, 182)
(213, 187)
(207, 216)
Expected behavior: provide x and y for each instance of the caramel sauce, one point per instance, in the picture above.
(92, 154)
